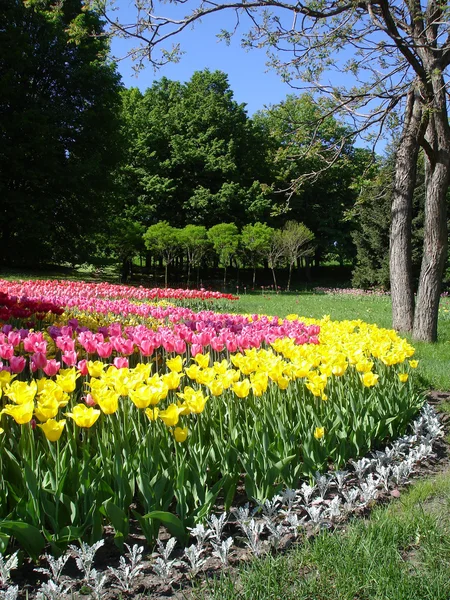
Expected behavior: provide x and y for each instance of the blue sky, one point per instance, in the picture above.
(248, 74)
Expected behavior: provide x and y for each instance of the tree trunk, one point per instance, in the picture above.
(289, 278)
(402, 291)
(165, 275)
(188, 274)
(254, 276)
(224, 278)
(437, 176)
(274, 278)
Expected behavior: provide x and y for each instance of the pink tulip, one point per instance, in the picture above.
(104, 349)
(14, 338)
(70, 358)
(179, 346)
(196, 349)
(82, 367)
(89, 400)
(39, 359)
(65, 344)
(52, 367)
(146, 347)
(17, 364)
(6, 351)
(121, 362)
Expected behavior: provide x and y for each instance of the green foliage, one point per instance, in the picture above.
(225, 239)
(59, 102)
(163, 240)
(303, 141)
(193, 155)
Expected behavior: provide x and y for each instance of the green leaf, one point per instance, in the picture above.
(119, 520)
(28, 536)
(171, 521)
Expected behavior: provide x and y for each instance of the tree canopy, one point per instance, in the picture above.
(59, 103)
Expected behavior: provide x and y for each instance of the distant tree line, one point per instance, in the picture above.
(255, 245)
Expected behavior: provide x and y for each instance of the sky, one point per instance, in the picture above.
(253, 83)
(250, 80)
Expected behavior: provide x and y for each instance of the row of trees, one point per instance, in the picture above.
(194, 156)
(256, 244)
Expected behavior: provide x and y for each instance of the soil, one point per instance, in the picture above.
(148, 585)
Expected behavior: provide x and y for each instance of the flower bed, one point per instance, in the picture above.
(105, 425)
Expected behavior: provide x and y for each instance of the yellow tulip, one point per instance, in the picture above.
(202, 360)
(370, 379)
(216, 387)
(46, 409)
(21, 392)
(84, 416)
(108, 401)
(403, 377)
(145, 395)
(175, 364)
(192, 371)
(242, 388)
(172, 379)
(180, 434)
(152, 413)
(221, 368)
(196, 401)
(95, 368)
(170, 415)
(319, 432)
(21, 413)
(413, 364)
(67, 379)
(5, 378)
(53, 429)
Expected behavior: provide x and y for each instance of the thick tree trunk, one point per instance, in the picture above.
(437, 170)
(402, 292)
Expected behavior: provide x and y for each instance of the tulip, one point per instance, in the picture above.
(21, 413)
(120, 362)
(180, 434)
(84, 416)
(170, 415)
(319, 432)
(53, 429)
(17, 364)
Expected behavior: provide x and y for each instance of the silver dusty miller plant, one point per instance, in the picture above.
(163, 565)
(84, 557)
(130, 566)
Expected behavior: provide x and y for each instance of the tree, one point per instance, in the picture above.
(194, 240)
(164, 241)
(256, 240)
(59, 102)
(193, 154)
(225, 240)
(275, 253)
(296, 241)
(302, 132)
(401, 55)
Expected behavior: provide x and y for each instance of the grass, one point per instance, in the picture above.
(401, 553)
